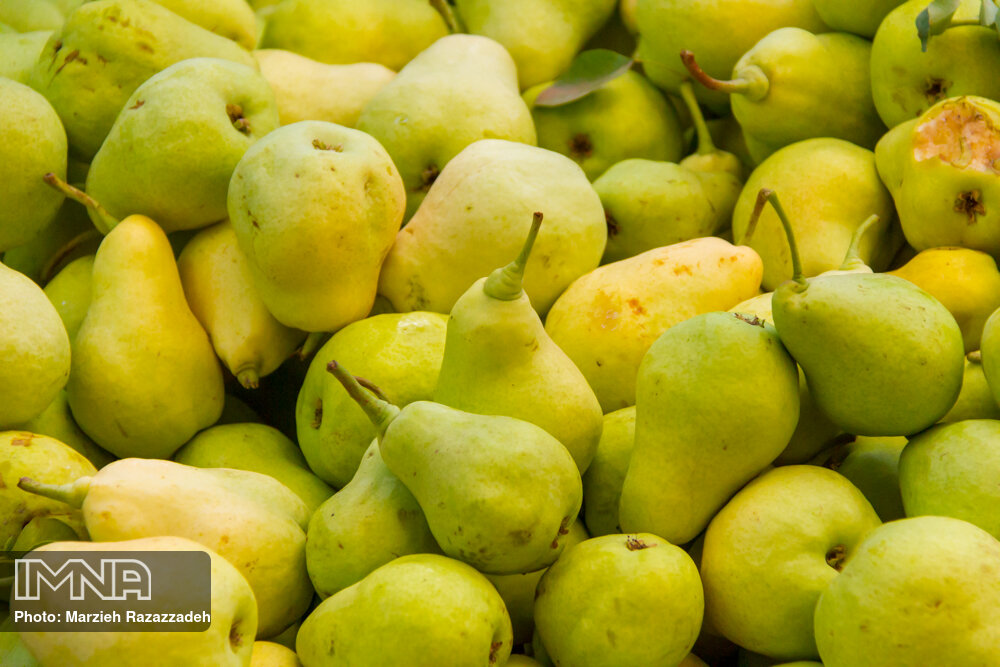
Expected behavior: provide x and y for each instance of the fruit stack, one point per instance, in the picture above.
(464, 333)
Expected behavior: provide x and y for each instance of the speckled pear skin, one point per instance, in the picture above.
(421, 610)
(881, 356)
(702, 387)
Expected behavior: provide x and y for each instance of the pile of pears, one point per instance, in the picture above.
(471, 333)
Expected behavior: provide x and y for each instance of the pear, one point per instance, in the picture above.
(173, 148)
(104, 51)
(608, 318)
(990, 354)
(907, 80)
(27, 119)
(56, 421)
(251, 520)
(653, 204)
(461, 89)
(70, 292)
(269, 654)
(625, 118)
(872, 465)
(43, 458)
(719, 32)
(309, 90)
(69, 236)
(858, 18)
(219, 288)
(542, 37)
(141, 350)
(19, 51)
(838, 328)
(498, 493)
(475, 218)
(783, 91)
(602, 483)
(232, 19)
(36, 349)
(257, 448)
(951, 470)
(227, 642)
(702, 386)
(939, 169)
(30, 15)
(923, 591)
(388, 32)
(399, 353)
(498, 360)
(829, 187)
(620, 600)
(775, 547)
(293, 198)
(975, 400)
(371, 521)
(421, 610)
(518, 590)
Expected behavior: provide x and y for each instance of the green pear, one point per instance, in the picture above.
(56, 421)
(251, 520)
(907, 80)
(371, 521)
(880, 355)
(653, 204)
(25, 454)
(951, 470)
(521, 661)
(18, 53)
(542, 37)
(461, 89)
(923, 591)
(829, 187)
(70, 292)
(702, 386)
(975, 400)
(773, 549)
(308, 197)
(872, 465)
(228, 641)
(794, 85)
(69, 236)
(620, 600)
(388, 32)
(720, 32)
(309, 90)
(269, 654)
(475, 218)
(104, 51)
(602, 483)
(141, 350)
(421, 610)
(626, 118)
(219, 288)
(236, 411)
(173, 148)
(14, 652)
(608, 318)
(27, 119)
(939, 169)
(31, 15)
(258, 448)
(498, 360)
(498, 493)
(990, 354)
(398, 353)
(36, 350)
(518, 590)
(232, 19)
(860, 18)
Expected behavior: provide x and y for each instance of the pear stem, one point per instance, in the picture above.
(797, 276)
(975, 357)
(49, 269)
(448, 14)
(106, 222)
(380, 412)
(312, 343)
(758, 208)
(705, 143)
(506, 283)
(72, 494)
(733, 87)
(248, 377)
(852, 260)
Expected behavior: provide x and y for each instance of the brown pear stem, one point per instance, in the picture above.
(448, 14)
(380, 412)
(733, 87)
(50, 266)
(72, 494)
(758, 208)
(506, 283)
(105, 223)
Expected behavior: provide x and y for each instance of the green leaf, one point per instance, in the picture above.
(589, 71)
(935, 19)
